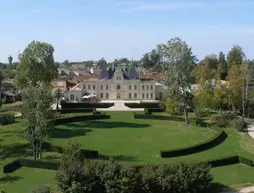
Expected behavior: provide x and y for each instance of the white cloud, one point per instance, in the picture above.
(186, 5)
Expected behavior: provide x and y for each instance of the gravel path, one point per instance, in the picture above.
(244, 190)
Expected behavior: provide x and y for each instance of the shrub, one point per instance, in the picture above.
(239, 124)
(11, 167)
(221, 120)
(223, 161)
(65, 111)
(86, 105)
(6, 119)
(155, 105)
(49, 165)
(246, 161)
(42, 189)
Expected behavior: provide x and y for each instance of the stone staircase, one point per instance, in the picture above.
(119, 106)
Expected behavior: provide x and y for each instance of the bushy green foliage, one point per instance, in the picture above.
(42, 189)
(6, 119)
(221, 120)
(110, 177)
(239, 124)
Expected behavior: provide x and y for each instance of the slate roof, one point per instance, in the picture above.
(104, 75)
(133, 75)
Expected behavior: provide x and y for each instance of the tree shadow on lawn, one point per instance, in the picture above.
(107, 125)
(9, 179)
(218, 187)
(69, 133)
(118, 158)
(14, 151)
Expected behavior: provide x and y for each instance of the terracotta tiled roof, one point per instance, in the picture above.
(81, 78)
(156, 77)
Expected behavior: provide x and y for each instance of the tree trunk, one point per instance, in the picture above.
(187, 122)
(34, 151)
(40, 150)
(57, 104)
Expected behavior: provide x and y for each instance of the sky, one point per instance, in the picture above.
(83, 30)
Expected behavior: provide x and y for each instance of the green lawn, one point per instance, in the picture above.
(129, 141)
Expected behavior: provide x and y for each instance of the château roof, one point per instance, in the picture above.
(104, 75)
(133, 73)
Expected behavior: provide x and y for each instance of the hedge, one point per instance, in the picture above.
(6, 119)
(85, 105)
(155, 105)
(65, 111)
(246, 161)
(223, 161)
(210, 143)
(66, 120)
(87, 154)
(49, 165)
(11, 167)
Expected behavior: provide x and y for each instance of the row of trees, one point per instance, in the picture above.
(181, 70)
(78, 176)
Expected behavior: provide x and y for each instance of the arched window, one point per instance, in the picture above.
(72, 97)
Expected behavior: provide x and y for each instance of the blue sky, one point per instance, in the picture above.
(90, 29)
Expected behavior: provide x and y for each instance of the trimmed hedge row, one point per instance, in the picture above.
(210, 143)
(87, 154)
(143, 105)
(11, 167)
(85, 105)
(50, 165)
(66, 120)
(65, 111)
(6, 119)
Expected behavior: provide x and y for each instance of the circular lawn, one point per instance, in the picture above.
(131, 140)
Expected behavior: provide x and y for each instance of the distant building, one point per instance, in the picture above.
(116, 84)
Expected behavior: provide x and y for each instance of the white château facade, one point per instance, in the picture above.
(117, 84)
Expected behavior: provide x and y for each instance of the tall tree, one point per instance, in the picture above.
(37, 65)
(178, 63)
(235, 56)
(58, 95)
(222, 66)
(10, 59)
(37, 111)
(2, 77)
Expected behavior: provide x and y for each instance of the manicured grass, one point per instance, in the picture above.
(234, 174)
(15, 104)
(129, 140)
(25, 180)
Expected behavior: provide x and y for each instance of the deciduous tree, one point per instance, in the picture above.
(37, 111)
(235, 56)
(37, 65)
(177, 62)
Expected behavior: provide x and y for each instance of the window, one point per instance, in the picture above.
(143, 87)
(147, 96)
(93, 87)
(143, 95)
(106, 95)
(129, 95)
(72, 97)
(135, 87)
(101, 95)
(135, 95)
(151, 95)
(89, 87)
(129, 87)
(101, 87)
(84, 86)
(151, 87)
(106, 87)
(118, 87)
(118, 95)
(117, 78)
(147, 87)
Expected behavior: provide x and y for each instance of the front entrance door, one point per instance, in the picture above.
(118, 96)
